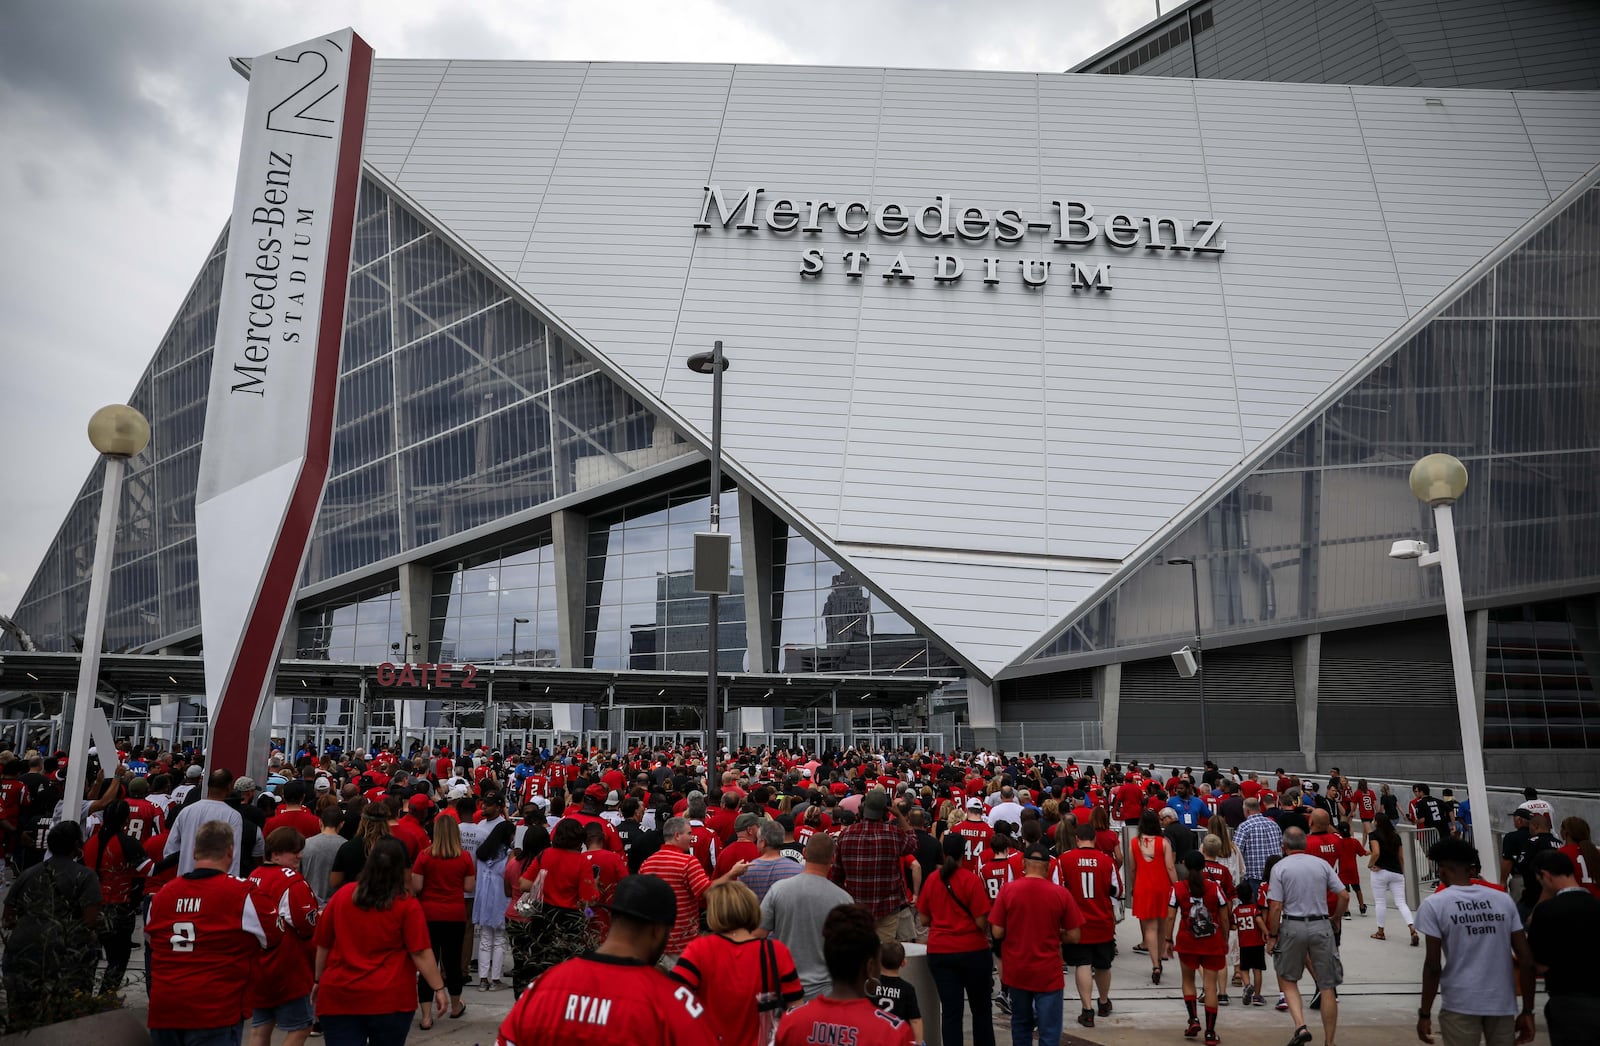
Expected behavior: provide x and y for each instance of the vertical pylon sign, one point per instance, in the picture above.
(274, 375)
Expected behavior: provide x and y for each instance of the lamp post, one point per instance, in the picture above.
(712, 363)
(514, 623)
(1200, 667)
(1438, 481)
(118, 433)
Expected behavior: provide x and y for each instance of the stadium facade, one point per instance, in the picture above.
(1002, 345)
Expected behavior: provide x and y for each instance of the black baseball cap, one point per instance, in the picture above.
(646, 898)
(1036, 852)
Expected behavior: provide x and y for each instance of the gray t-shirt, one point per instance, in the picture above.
(793, 911)
(316, 861)
(1474, 925)
(1301, 882)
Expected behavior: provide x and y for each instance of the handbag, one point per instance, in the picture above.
(531, 903)
(769, 1000)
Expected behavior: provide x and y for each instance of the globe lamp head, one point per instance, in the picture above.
(119, 431)
(1439, 479)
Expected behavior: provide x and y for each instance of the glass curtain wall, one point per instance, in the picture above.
(641, 610)
(1507, 379)
(825, 621)
(456, 407)
(499, 608)
(1542, 675)
(365, 629)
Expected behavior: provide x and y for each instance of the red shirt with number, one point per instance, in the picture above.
(1586, 875)
(1088, 875)
(206, 932)
(854, 1023)
(740, 969)
(602, 1000)
(287, 972)
(995, 872)
(145, 819)
(1036, 915)
(976, 836)
(1246, 919)
(1366, 802)
(369, 966)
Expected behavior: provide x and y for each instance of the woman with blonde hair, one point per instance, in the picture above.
(730, 967)
(440, 876)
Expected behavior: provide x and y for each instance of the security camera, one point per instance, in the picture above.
(1408, 550)
(1186, 664)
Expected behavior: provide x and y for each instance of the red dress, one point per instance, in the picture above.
(1152, 886)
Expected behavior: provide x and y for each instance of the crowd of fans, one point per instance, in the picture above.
(765, 896)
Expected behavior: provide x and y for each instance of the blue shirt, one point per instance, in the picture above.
(1192, 811)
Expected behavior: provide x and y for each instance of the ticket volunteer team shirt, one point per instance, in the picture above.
(1474, 925)
(369, 967)
(1036, 915)
(205, 931)
(601, 1000)
(854, 1023)
(1089, 875)
(444, 883)
(736, 968)
(287, 972)
(952, 928)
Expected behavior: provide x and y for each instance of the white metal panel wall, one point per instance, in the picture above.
(973, 418)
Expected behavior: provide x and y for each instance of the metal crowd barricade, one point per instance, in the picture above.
(1422, 876)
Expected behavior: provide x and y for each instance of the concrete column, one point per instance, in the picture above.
(416, 604)
(570, 537)
(983, 709)
(1306, 654)
(1478, 640)
(1108, 696)
(755, 544)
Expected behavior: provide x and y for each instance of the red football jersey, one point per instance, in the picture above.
(997, 871)
(286, 973)
(1220, 875)
(599, 1000)
(854, 1023)
(205, 932)
(1246, 918)
(704, 845)
(1367, 803)
(300, 819)
(145, 819)
(976, 835)
(1089, 874)
(1586, 875)
(740, 969)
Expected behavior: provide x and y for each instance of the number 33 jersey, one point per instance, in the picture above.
(599, 1000)
(205, 932)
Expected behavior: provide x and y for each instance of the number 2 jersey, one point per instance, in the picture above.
(205, 932)
(602, 1000)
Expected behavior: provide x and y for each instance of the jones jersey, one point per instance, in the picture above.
(1090, 876)
(599, 1000)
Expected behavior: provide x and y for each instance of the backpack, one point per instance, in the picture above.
(1201, 925)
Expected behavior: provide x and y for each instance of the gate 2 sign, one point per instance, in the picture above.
(428, 675)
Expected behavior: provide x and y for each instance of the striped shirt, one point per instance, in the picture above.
(760, 875)
(682, 872)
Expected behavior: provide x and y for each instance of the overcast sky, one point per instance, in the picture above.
(119, 135)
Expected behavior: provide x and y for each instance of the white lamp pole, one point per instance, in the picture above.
(1439, 480)
(118, 433)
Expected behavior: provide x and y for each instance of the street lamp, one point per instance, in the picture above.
(1439, 480)
(514, 623)
(118, 433)
(1199, 671)
(708, 546)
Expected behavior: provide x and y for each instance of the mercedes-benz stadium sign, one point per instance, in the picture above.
(1072, 224)
(274, 372)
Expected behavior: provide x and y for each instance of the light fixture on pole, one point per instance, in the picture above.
(118, 433)
(1191, 663)
(514, 623)
(1439, 480)
(712, 551)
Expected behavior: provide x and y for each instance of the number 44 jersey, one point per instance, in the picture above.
(205, 932)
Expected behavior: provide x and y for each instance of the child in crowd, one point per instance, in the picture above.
(1349, 870)
(893, 994)
(1252, 943)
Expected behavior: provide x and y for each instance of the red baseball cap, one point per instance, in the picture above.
(596, 792)
(420, 802)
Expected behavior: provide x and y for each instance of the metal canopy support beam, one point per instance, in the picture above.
(1306, 655)
(570, 537)
(755, 543)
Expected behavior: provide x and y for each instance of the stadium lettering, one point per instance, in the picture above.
(428, 675)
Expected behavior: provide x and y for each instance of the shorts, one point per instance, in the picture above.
(294, 1015)
(1097, 956)
(1218, 961)
(1252, 957)
(1298, 941)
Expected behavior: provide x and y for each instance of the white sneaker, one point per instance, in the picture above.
(483, 985)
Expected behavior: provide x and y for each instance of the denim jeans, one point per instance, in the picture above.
(231, 1035)
(366, 1029)
(971, 974)
(1031, 1010)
